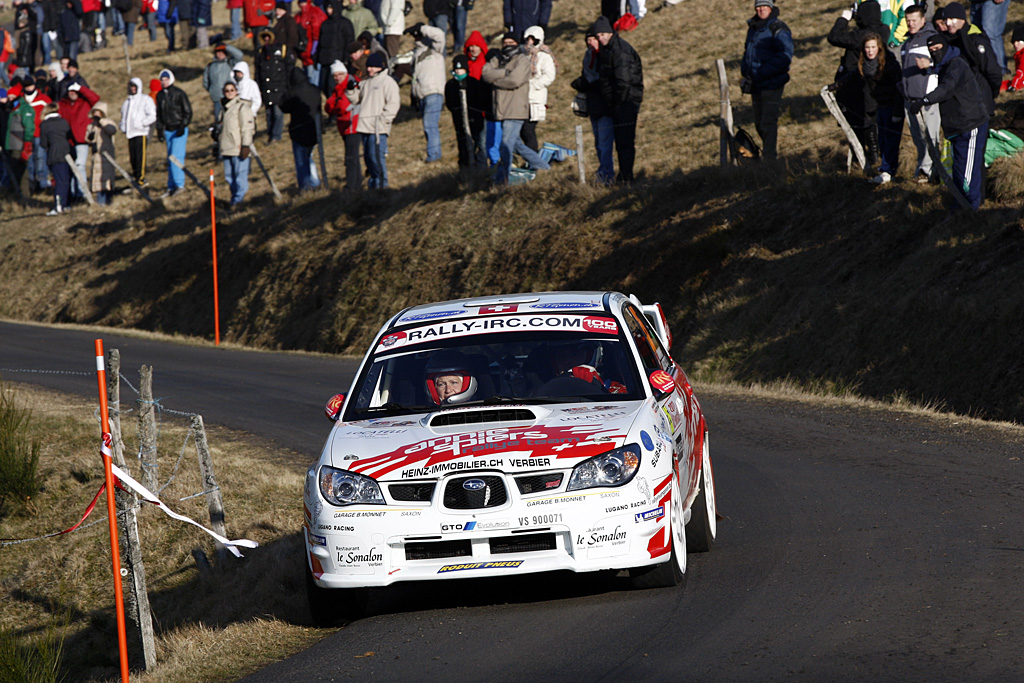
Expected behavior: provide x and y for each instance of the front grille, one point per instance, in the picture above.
(531, 543)
(538, 483)
(413, 493)
(491, 494)
(437, 550)
(479, 416)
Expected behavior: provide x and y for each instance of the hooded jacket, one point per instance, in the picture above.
(915, 81)
(173, 109)
(247, 88)
(622, 74)
(543, 70)
(218, 72)
(302, 104)
(428, 63)
(392, 17)
(335, 35)
(310, 18)
(476, 65)
(238, 126)
(510, 81)
(100, 136)
(77, 113)
(868, 19)
(768, 52)
(55, 138)
(138, 112)
(38, 100)
(379, 102)
(961, 104)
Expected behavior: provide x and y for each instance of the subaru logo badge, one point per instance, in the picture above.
(473, 484)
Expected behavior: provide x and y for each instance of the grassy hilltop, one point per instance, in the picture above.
(795, 270)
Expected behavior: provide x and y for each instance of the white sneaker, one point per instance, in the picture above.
(54, 212)
(881, 179)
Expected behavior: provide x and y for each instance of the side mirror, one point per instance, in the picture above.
(661, 382)
(334, 406)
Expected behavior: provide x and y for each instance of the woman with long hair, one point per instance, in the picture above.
(883, 104)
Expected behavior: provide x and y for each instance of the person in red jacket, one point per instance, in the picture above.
(75, 108)
(476, 50)
(38, 173)
(1017, 81)
(340, 108)
(309, 18)
(256, 14)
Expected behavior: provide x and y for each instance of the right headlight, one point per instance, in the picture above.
(613, 468)
(341, 487)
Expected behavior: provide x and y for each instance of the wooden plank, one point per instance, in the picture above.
(259, 162)
(81, 181)
(580, 164)
(214, 501)
(833, 107)
(127, 176)
(174, 160)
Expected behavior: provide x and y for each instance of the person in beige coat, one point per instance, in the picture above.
(378, 100)
(543, 70)
(99, 135)
(237, 127)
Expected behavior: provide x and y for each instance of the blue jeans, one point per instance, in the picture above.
(493, 130)
(151, 26)
(275, 121)
(236, 23)
(441, 22)
(117, 20)
(992, 20)
(236, 173)
(129, 34)
(81, 157)
(305, 169)
(431, 107)
(49, 47)
(375, 154)
(511, 144)
(176, 147)
(604, 141)
(313, 74)
(459, 29)
(37, 169)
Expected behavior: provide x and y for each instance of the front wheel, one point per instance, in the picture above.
(703, 527)
(671, 573)
(335, 606)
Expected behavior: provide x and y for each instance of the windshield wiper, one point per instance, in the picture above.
(390, 408)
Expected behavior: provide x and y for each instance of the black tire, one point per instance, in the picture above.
(335, 606)
(664, 575)
(701, 530)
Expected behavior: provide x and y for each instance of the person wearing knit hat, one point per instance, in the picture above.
(218, 72)
(466, 98)
(340, 108)
(915, 85)
(976, 49)
(379, 101)
(286, 31)
(621, 85)
(1017, 81)
(767, 55)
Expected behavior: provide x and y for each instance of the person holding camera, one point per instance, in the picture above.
(236, 126)
(767, 56)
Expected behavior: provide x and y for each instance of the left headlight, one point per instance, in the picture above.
(613, 468)
(341, 487)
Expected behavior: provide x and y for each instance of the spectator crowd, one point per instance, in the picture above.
(342, 62)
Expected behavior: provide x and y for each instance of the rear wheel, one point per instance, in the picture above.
(671, 573)
(335, 606)
(703, 526)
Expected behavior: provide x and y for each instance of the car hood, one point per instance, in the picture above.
(504, 438)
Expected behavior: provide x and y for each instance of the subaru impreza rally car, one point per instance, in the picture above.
(508, 435)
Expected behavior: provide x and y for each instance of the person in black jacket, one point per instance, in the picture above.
(51, 23)
(273, 63)
(459, 90)
(622, 88)
(173, 116)
(302, 104)
(286, 31)
(69, 30)
(975, 49)
(55, 138)
(964, 115)
(520, 15)
(26, 38)
(336, 33)
(881, 74)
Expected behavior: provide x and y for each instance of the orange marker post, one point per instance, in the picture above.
(216, 297)
(115, 552)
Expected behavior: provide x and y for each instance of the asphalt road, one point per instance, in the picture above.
(855, 545)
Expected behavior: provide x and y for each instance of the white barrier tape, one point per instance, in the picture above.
(232, 546)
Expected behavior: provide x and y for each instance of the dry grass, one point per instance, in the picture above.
(205, 623)
(1008, 178)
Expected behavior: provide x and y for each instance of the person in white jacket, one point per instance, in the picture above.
(428, 79)
(392, 19)
(138, 113)
(543, 69)
(247, 88)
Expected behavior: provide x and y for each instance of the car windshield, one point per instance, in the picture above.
(410, 374)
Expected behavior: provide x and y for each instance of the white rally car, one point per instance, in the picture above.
(508, 435)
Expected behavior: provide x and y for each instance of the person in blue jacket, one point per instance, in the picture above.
(767, 56)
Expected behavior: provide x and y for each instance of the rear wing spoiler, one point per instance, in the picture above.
(656, 317)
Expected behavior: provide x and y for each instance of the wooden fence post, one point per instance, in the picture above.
(129, 178)
(259, 162)
(727, 135)
(133, 569)
(936, 156)
(580, 164)
(147, 429)
(214, 501)
(81, 181)
(174, 160)
(833, 106)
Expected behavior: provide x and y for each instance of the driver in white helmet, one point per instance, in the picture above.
(449, 379)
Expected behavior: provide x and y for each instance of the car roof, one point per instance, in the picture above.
(527, 302)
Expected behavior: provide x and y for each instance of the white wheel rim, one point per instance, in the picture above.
(709, 490)
(678, 528)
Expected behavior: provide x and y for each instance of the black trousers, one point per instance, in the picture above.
(624, 119)
(137, 156)
(353, 168)
(529, 135)
(767, 106)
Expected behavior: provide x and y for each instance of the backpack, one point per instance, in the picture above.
(627, 22)
(746, 148)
